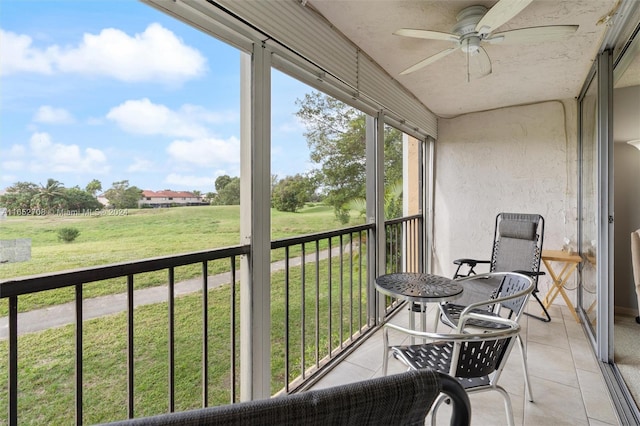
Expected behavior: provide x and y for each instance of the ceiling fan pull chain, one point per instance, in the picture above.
(468, 60)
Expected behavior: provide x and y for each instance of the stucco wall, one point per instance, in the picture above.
(518, 159)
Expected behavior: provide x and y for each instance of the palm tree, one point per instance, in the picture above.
(94, 187)
(392, 202)
(50, 195)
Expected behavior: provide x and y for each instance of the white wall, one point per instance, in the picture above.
(627, 219)
(626, 163)
(519, 159)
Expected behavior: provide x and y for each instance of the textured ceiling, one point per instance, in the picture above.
(521, 74)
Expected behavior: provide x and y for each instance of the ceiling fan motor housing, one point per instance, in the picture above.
(467, 20)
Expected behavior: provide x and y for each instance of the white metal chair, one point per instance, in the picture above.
(509, 300)
(475, 357)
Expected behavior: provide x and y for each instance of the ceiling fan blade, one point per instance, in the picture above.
(533, 34)
(429, 60)
(426, 34)
(478, 64)
(499, 14)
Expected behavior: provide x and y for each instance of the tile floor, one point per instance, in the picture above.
(568, 387)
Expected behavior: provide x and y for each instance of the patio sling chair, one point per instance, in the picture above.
(476, 360)
(509, 301)
(517, 247)
(400, 399)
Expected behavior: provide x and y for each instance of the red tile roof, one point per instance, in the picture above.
(167, 193)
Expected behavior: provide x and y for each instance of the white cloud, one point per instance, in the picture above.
(18, 55)
(140, 165)
(144, 117)
(192, 182)
(12, 165)
(51, 115)
(56, 157)
(17, 150)
(210, 117)
(206, 152)
(156, 54)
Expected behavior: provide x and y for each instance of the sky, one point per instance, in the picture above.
(116, 90)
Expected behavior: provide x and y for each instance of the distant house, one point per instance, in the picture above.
(168, 198)
(102, 200)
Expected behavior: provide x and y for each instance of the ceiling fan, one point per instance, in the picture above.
(475, 26)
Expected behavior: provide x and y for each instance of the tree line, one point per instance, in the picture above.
(53, 196)
(336, 137)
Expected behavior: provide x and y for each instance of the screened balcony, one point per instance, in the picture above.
(328, 337)
(545, 145)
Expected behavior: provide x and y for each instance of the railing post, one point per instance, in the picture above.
(130, 349)
(205, 333)
(171, 339)
(79, 360)
(13, 361)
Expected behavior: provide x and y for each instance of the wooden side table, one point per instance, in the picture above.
(569, 262)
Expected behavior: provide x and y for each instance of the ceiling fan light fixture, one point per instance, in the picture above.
(471, 45)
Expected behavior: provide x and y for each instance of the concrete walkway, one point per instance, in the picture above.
(60, 315)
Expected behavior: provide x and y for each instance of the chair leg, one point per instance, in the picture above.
(507, 405)
(434, 408)
(547, 317)
(385, 350)
(527, 382)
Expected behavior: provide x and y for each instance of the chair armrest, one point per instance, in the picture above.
(466, 312)
(531, 273)
(470, 262)
(421, 334)
(456, 336)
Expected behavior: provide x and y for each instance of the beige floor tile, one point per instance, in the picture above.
(568, 387)
(596, 398)
(583, 356)
(594, 422)
(343, 373)
(551, 363)
(549, 333)
(555, 403)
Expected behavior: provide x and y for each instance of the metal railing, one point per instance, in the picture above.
(404, 251)
(404, 248)
(325, 301)
(77, 279)
(319, 297)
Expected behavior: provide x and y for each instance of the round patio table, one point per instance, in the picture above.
(419, 289)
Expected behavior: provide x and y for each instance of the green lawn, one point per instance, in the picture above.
(139, 235)
(46, 359)
(142, 234)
